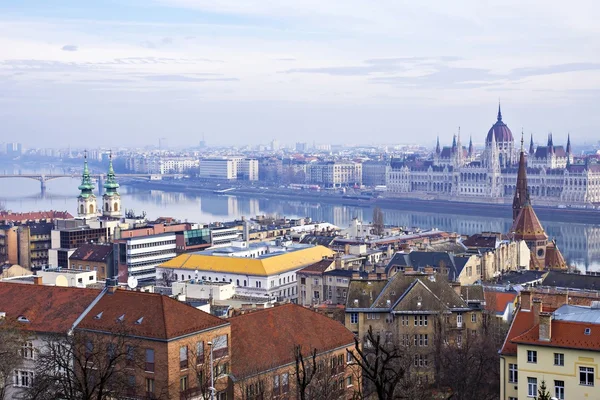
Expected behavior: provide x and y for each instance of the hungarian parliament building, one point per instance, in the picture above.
(457, 173)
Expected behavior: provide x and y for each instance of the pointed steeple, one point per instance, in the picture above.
(87, 186)
(499, 112)
(550, 144)
(454, 143)
(470, 146)
(437, 146)
(569, 143)
(531, 149)
(111, 184)
(521, 197)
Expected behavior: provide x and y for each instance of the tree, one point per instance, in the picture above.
(320, 377)
(306, 369)
(543, 393)
(378, 222)
(87, 366)
(382, 365)
(12, 340)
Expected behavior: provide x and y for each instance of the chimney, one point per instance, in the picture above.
(111, 285)
(545, 326)
(372, 276)
(355, 275)
(37, 280)
(526, 300)
(536, 308)
(456, 287)
(347, 249)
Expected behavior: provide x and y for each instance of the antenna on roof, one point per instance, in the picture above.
(132, 282)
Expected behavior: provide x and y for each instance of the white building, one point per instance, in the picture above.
(265, 269)
(334, 173)
(229, 168)
(224, 236)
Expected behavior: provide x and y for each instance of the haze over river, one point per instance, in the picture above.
(580, 243)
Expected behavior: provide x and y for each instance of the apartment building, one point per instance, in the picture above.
(415, 311)
(323, 283)
(93, 257)
(263, 360)
(229, 168)
(556, 345)
(334, 173)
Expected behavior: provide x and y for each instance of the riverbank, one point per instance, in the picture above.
(408, 204)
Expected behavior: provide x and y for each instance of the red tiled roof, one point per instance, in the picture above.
(565, 334)
(285, 327)
(317, 268)
(50, 309)
(161, 317)
(33, 216)
(522, 322)
(554, 258)
(527, 226)
(497, 301)
(92, 252)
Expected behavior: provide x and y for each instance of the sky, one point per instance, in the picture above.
(128, 72)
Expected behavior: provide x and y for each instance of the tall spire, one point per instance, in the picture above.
(470, 146)
(499, 112)
(111, 184)
(454, 143)
(437, 146)
(521, 192)
(531, 149)
(87, 186)
(569, 143)
(522, 140)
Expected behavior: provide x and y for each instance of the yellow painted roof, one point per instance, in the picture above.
(252, 266)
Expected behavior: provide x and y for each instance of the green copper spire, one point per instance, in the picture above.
(111, 184)
(87, 186)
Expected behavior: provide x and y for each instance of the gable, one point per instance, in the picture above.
(419, 298)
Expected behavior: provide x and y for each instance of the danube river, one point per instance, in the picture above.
(580, 243)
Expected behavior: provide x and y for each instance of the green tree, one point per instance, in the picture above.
(543, 393)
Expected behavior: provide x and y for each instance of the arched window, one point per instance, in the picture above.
(91, 208)
(116, 206)
(106, 207)
(81, 209)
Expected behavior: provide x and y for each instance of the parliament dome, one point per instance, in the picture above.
(500, 131)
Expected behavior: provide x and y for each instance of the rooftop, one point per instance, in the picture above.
(262, 266)
(92, 252)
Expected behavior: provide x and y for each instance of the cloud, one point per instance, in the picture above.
(183, 78)
(553, 69)
(70, 47)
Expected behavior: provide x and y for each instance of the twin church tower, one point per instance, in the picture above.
(87, 207)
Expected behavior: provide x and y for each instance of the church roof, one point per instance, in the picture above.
(527, 226)
(554, 258)
(500, 131)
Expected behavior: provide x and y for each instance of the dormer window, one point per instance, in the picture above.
(588, 331)
(139, 321)
(22, 318)
(121, 318)
(99, 315)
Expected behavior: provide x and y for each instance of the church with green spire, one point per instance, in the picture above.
(86, 201)
(111, 199)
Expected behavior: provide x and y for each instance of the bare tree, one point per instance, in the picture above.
(321, 377)
(382, 365)
(86, 366)
(12, 344)
(306, 369)
(378, 222)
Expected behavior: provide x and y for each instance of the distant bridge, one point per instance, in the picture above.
(43, 178)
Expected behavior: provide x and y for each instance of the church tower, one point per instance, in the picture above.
(521, 191)
(111, 199)
(86, 201)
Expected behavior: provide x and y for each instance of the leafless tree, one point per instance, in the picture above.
(12, 342)
(378, 222)
(87, 366)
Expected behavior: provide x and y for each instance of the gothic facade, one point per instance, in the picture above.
(456, 172)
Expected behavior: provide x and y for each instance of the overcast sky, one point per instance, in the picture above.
(126, 72)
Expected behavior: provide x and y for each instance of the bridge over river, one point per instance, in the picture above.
(43, 178)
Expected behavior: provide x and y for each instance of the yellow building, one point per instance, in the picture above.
(561, 348)
(257, 269)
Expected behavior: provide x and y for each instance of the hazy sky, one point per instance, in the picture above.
(340, 71)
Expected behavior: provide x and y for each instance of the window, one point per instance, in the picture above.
(532, 356)
(559, 359)
(183, 383)
(586, 376)
(459, 340)
(559, 390)
(199, 353)
(23, 378)
(349, 358)
(473, 317)
(354, 318)
(348, 381)
(130, 354)
(404, 320)
(459, 320)
(532, 387)
(420, 320)
(513, 373)
(149, 360)
(149, 386)
(285, 383)
(183, 357)
(27, 350)
(276, 385)
(220, 346)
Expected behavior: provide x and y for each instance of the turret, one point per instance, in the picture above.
(111, 199)
(531, 149)
(550, 144)
(437, 146)
(521, 191)
(470, 146)
(86, 201)
(569, 152)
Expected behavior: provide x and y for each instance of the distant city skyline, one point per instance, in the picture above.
(128, 73)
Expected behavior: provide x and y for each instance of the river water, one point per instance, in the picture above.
(580, 243)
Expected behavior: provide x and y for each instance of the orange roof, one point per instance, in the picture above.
(565, 334)
(33, 216)
(148, 315)
(522, 322)
(286, 326)
(497, 301)
(554, 258)
(50, 309)
(527, 226)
